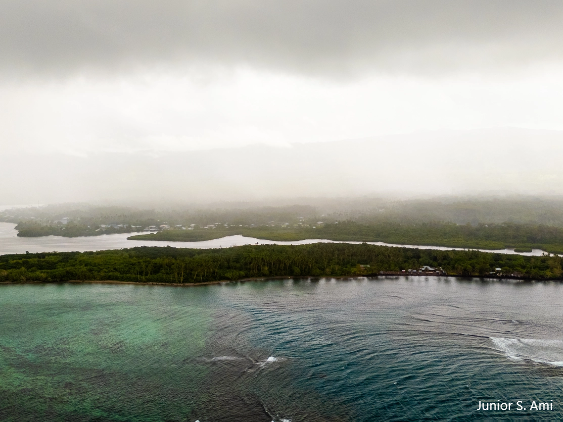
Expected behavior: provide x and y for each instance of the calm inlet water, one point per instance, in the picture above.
(10, 243)
(299, 350)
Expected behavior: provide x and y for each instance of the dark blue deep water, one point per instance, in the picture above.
(395, 349)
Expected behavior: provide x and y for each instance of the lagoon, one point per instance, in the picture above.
(302, 350)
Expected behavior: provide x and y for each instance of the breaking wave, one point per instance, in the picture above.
(549, 352)
(271, 359)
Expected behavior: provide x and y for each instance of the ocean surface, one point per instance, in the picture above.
(10, 243)
(389, 349)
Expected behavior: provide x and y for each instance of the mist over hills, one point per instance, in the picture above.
(526, 210)
(507, 161)
(514, 222)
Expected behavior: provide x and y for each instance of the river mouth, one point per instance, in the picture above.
(294, 349)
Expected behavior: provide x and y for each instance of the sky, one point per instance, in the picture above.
(257, 99)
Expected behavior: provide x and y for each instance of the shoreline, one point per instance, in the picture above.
(146, 283)
(253, 279)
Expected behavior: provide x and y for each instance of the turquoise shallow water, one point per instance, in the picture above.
(299, 350)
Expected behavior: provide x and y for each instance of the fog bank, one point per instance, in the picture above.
(434, 163)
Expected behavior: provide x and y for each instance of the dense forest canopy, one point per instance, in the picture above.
(174, 265)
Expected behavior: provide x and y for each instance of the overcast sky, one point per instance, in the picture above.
(145, 80)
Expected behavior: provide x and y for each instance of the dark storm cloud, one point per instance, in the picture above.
(332, 37)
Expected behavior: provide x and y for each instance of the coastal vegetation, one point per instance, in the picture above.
(482, 236)
(175, 265)
(71, 229)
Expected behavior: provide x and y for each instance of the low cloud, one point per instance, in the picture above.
(331, 38)
(418, 165)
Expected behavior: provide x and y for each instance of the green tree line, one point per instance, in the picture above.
(175, 265)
